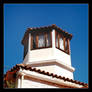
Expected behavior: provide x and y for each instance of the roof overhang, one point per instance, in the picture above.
(53, 26)
(51, 79)
(37, 73)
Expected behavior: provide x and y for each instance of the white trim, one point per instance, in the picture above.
(18, 83)
(22, 77)
(49, 78)
(64, 65)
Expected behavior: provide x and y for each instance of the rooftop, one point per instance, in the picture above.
(53, 26)
(27, 67)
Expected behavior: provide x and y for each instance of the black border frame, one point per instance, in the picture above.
(2, 2)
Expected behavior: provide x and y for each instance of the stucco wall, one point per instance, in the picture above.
(48, 68)
(62, 56)
(63, 72)
(40, 54)
(57, 70)
(47, 54)
(31, 79)
(35, 84)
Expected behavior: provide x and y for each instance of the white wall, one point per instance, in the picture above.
(63, 57)
(57, 70)
(48, 68)
(63, 72)
(48, 55)
(24, 83)
(39, 55)
(35, 84)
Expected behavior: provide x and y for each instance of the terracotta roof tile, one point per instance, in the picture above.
(63, 78)
(27, 67)
(34, 69)
(53, 26)
(60, 77)
(39, 70)
(54, 75)
(43, 72)
(47, 73)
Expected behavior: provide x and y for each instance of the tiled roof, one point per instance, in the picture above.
(27, 67)
(53, 26)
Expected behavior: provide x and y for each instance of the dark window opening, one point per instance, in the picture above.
(66, 46)
(61, 42)
(57, 40)
(25, 48)
(41, 40)
(34, 42)
(48, 40)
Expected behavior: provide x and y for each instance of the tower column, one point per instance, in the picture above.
(19, 82)
(53, 38)
(22, 77)
(29, 42)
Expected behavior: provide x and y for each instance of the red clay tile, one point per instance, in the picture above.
(46, 73)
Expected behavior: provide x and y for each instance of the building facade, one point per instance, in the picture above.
(46, 61)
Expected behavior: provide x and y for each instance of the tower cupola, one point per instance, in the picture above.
(48, 48)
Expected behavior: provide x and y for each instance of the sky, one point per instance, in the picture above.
(72, 18)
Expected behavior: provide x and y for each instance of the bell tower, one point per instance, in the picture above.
(48, 48)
